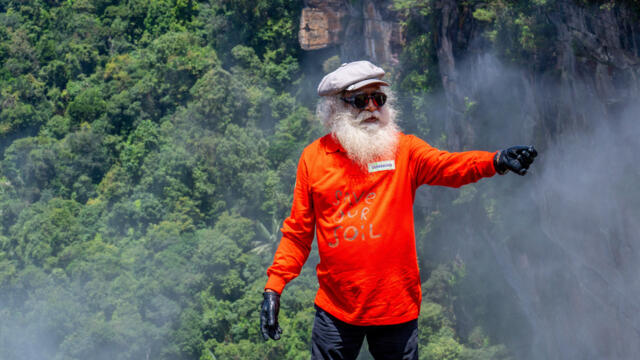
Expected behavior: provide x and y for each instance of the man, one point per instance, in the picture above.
(356, 187)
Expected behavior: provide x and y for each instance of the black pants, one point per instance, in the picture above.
(334, 339)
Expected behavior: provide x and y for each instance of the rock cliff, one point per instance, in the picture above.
(361, 29)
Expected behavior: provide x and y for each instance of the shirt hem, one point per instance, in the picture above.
(386, 320)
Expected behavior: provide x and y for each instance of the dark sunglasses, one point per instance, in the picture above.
(360, 100)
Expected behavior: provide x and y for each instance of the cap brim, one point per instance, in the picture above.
(363, 83)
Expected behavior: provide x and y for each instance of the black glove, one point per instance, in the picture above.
(269, 316)
(515, 158)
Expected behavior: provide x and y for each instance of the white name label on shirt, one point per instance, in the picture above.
(382, 166)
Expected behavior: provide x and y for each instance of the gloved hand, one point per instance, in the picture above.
(269, 315)
(515, 158)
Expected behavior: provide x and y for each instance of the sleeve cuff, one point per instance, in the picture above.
(495, 164)
(275, 283)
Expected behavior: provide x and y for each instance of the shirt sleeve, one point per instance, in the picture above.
(454, 169)
(297, 234)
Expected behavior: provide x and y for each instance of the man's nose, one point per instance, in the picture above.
(371, 105)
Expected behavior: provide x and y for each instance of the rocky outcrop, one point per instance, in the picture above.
(314, 29)
(361, 29)
(598, 58)
(380, 35)
(447, 30)
(321, 24)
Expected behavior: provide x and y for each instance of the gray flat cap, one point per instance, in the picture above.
(351, 76)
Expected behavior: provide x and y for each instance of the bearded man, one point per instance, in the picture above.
(355, 187)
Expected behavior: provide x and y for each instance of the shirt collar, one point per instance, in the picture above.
(332, 145)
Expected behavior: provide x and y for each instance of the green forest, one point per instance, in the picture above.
(147, 159)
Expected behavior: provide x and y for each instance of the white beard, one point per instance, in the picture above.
(366, 142)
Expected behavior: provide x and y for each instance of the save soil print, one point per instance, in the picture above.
(350, 201)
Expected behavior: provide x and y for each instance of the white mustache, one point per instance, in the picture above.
(364, 115)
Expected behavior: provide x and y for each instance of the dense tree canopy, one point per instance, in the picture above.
(147, 156)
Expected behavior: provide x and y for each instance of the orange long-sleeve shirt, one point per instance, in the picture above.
(363, 219)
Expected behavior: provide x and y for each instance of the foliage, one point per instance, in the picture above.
(520, 31)
(135, 166)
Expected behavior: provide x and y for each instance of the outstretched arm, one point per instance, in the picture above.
(437, 167)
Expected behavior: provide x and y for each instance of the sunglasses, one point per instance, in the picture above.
(360, 101)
